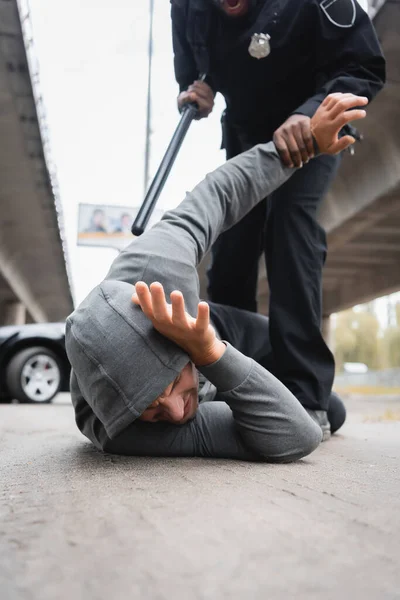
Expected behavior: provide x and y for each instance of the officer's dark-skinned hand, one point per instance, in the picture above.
(294, 142)
(200, 93)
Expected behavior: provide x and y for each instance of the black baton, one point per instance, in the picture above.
(189, 112)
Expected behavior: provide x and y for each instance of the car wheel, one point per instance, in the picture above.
(34, 376)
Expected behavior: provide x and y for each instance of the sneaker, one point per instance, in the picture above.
(321, 418)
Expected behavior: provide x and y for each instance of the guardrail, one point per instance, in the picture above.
(389, 378)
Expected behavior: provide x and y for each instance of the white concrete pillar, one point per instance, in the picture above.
(13, 313)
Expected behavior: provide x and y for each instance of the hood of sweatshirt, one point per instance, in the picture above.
(121, 363)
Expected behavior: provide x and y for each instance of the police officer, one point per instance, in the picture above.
(274, 61)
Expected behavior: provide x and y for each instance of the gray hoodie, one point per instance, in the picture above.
(120, 364)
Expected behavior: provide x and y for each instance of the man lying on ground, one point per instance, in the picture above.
(144, 371)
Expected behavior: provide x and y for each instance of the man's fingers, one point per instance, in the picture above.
(342, 144)
(347, 117)
(330, 100)
(199, 93)
(203, 92)
(178, 307)
(203, 88)
(283, 150)
(294, 150)
(160, 308)
(186, 98)
(204, 101)
(351, 115)
(301, 144)
(308, 139)
(142, 297)
(204, 107)
(347, 102)
(203, 317)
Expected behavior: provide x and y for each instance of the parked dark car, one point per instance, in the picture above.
(33, 363)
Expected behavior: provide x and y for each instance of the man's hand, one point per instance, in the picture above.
(294, 142)
(195, 336)
(200, 93)
(333, 114)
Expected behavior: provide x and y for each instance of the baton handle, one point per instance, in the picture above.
(189, 112)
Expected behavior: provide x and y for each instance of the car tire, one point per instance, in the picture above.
(34, 376)
(5, 400)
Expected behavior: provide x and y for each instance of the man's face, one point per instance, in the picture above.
(233, 8)
(179, 401)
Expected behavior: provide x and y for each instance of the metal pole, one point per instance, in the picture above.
(148, 118)
(149, 203)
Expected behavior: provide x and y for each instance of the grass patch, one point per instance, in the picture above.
(368, 390)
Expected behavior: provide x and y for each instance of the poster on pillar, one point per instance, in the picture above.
(108, 226)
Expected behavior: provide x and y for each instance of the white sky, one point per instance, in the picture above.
(92, 56)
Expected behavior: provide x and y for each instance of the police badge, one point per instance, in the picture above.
(341, 13)
(259, 45)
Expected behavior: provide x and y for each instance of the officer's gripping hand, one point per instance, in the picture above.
(195, 336)
(334, 113)
(294, 142)
(200, 93)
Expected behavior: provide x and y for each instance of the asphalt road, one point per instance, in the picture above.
(75, 524)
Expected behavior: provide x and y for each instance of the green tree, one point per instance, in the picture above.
(344, 339)
(356, 339)
(391, 343)
(391, 347)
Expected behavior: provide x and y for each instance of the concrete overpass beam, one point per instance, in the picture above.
(20, 288)
(13, 313)
(348, 293)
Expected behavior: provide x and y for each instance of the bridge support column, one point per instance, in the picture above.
(13, 313)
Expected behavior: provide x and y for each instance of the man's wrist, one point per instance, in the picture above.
(208, 356)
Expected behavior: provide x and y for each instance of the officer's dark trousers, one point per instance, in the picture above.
(285, 227)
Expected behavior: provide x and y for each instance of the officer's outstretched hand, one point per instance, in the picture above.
(201, 94)
(195, 336)
(334, 113)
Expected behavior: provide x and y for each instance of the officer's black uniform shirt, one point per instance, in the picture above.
(317, 47)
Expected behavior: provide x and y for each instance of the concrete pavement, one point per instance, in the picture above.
(77, 524)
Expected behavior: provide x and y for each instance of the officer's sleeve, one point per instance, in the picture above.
(184, 62)
(349, 59)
